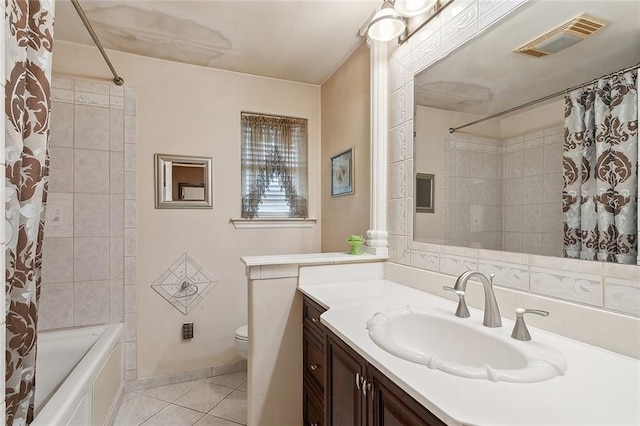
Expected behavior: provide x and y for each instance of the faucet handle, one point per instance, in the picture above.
(462, 311)
(491, 277)
(520, 331)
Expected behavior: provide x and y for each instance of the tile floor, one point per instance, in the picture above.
(215, 401)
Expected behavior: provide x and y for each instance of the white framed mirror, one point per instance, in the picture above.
(183, 182)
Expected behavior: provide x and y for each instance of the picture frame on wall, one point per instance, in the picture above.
(342, 174)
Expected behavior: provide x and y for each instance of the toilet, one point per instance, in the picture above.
(241, 341)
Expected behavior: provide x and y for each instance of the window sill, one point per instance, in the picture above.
(262, 223)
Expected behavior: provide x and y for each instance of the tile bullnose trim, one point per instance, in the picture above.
(273, 223)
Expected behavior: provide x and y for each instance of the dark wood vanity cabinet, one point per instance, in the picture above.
(313, 358)
(342, 389)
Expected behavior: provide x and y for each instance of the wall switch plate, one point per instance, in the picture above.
(187, 330)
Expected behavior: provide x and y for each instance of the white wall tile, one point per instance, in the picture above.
(93, 99)
(130, 327)
(61, 169)
(61, 83)
(91, 215)
(565, 285)
(129, 129)
(129, 157)
(55, 309)
(116, 130)
(507, 274)
(91, 303)
(91, 127)
(131, 354)
(425, 260)
(116, 300)
(91, 169)
(129, 185)
(116, 172)
(130, 214)
(91, 259)
(91, 87)
(129, 101)
(130, 299)
(116, 215)
(456, 265)
(57, 258)
(130, 242)
(116, 258)
(129, 270)
(622, 295)
(59, 215)
(61, 126)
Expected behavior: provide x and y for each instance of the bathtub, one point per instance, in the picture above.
(79, 375)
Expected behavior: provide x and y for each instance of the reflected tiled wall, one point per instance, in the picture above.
(475, 191)
(533, 193)
(596, 284)
(89, 239)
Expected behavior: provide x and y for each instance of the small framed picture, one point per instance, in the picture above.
(342, 174)
(425, 188)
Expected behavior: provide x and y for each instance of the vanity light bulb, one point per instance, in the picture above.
(411, 8)
(385, 25)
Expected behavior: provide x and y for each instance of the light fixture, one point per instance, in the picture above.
(386, 24)
(411, 8)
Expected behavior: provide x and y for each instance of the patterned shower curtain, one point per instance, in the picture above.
(29, 38)
(600, 162)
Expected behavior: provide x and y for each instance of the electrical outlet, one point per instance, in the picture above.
(187, 330)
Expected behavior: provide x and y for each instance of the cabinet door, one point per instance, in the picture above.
(343, 397)
(391, 406)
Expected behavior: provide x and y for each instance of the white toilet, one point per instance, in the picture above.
(241, 341)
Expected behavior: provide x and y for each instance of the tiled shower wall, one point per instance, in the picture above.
(89, 239)
(506, 195)
(533, 193)
(475, 191)
(596, 284)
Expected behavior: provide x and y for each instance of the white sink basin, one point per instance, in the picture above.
(458, 346)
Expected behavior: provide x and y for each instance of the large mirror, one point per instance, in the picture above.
(499, 183)
(183, 182)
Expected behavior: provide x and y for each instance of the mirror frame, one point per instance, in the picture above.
(160, 161)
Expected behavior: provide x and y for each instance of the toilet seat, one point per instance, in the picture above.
(242, 333)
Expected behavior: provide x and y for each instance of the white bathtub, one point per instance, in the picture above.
(79, 375)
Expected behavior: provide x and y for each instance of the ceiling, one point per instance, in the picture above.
(485, 76)
(301, 40)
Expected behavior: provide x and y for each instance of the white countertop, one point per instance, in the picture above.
(600, 387)
(310, 259)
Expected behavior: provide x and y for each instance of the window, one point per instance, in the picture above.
(274, 166)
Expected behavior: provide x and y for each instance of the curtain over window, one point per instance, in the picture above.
(274, 166)
(600, 175)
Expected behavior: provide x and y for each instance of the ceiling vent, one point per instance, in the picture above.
(564, 36)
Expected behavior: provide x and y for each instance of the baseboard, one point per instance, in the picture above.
(184, 376)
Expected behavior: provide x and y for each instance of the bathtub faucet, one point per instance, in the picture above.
(491, 311)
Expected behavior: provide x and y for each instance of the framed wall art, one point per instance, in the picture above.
(342, 174)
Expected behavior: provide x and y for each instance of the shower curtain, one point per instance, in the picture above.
(600, 170)
(29, 38)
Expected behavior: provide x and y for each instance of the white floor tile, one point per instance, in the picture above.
(138, 409)
(208, 420)
(203, 397)
(233, 407)
(229, 380)
(172, 392)
(243, 387)
(174, 415)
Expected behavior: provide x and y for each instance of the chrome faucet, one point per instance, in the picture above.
(491, 311)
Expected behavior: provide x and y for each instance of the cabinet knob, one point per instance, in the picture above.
(315, 320)
(314, 424)
(313, 367)
(358, 381)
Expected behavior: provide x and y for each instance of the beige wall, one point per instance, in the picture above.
(432, 128)
(345, 124)
(539, 118)
(189, 110)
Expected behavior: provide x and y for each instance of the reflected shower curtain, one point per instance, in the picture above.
(600, 175)
(29, 38)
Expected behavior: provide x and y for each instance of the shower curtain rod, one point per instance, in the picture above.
(119, 81)
(544, 98)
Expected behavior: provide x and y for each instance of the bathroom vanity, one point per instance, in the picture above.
(348, 379)
(341, 387)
